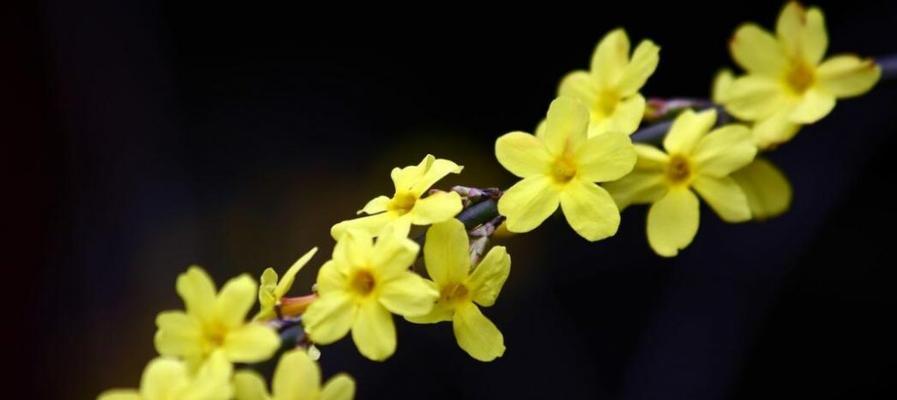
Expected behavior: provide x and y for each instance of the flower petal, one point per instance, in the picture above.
(212, 381)
(330, 278)
(814, 38)
(687, 129)
(297, 377)
(393, 255)
(528, 203)
(489, 276)
(673, 222)
(371, 224)
(329, 317)
(340, 387)
(432, 172)
(581, 86)
(610, 58)
(605, 157)
(724, 150)
(774, 130)
(590, 210)
(178, 335)
(441, 312)
(566, 124)
(625, 119)
(234, 301)
(724, 196)
(120, 394)
(848, 76)
(446, 252)
(789, 26)
(290, 276)
(814, 105)
(374, 332)
(408, 295)
(197, 290)
(522, 154)
(476, 334)
(650, 158)
(641, 66)
(767, 189)
(162, 378)
(376, 205)
(754, 97)
(639, 187)
(437, 207)
(249, 385)
(267, 287)
(722, 82)
(757, 51)
(251, 343)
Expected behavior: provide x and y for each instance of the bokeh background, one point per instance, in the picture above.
(159, 134)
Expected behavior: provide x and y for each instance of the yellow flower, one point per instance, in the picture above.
(610, 88)
(787, 82)
(409, 205)
(446, 252)
(766, 187)
(169, 379)
(214, 322)
(694, 159)
(271, 291)
(558, 166)
(361, 285)
(297, 378)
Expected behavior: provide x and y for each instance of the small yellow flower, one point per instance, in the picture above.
(611, 88)
(694, 159)
(787, 82)
(558, 166)
(297, 378)
(447, 255)
(409, 205)
(271, 291)
(214, 322)
(170, 379)
(361, 285)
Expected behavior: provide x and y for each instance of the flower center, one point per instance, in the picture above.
(678, 170)
(402, 203)
(363, 282)
(453, 293)
(800, 77)
(606, 102)
(563, 169)
(215, 335)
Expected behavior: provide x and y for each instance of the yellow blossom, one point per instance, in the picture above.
(611, 88)
(788, 83)
(409, 205)
(694, 159)
(297, 378)
(447, 257)
(170, 379)
(361, 286)
(271, 291)
(213, 322)
(559, 166)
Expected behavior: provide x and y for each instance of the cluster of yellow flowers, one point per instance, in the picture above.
(580, 158)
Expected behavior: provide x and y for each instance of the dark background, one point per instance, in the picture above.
(147, 136)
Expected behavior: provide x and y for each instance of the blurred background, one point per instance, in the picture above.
(146, 136)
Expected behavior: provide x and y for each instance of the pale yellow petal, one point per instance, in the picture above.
(814, 38)
(641, 66)
(767, 189)
(446, 252)
(392, 255)
(625, 119)
(374, 332)
(650, 158)
(251, 343)
(212, 381)
(370, 224)
(724, 196)
(355, 247)
(605, 157)
(754, 97)
(722, 82)
(441, 312)
(581, 86)
(163, 377)
(432, 172)
(290, 276)
(249, 385)
(329, 317)
(687, 129)
(408, 295)
(267, 287)
(198, 292)
(789, 26)
(376, 205)
(724, 150)
(235, 300)
(330, 279)
(639, 187)
(847, 75)
(774, 130)
(179, 335)
(476, 334)
(757, 51)
(528, 203)
(566, 124)
(120, 394)
(610, 58)
(522, 154)
(297, 377)
(589, 210)
(813, 105)
(340, 387)
(435, 208)
(673, 222)
(489, 276)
